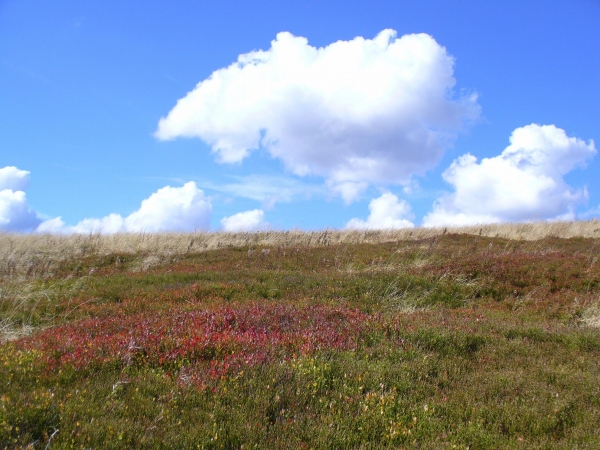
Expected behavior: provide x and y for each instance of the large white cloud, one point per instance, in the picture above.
(386, 212)
(15, 213)
(355, 112)
(245, 221)
(525, 182)
(185, 208)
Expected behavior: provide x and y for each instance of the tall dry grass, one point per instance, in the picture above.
(38, 255)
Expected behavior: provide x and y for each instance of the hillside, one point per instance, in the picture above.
(482, 337)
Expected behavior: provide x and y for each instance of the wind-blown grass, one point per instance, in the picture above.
(38, 255)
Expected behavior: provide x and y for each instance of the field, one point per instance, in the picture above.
(482, 337)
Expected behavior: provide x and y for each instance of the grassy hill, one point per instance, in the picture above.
(482, 337)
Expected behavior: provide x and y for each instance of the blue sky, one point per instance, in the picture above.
(84, 85)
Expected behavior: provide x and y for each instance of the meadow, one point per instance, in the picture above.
(480, 337)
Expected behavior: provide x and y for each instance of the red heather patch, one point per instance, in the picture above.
(220, 341)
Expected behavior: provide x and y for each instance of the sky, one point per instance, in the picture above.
(241, 115)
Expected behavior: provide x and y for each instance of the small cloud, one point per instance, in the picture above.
(357, 112)
(13, 179)
(245, 221)
(387, 212)
(412, 188)
(113, 223)
(55, 225)
(174, 209)
(592, 213)
(184, 208)
(525, 182)
(15, 213)
(350, 191)
(269, 190)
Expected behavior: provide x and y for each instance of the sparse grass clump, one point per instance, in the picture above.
(465, 340)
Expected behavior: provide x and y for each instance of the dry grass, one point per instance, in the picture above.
(591, 316)
(39, 255)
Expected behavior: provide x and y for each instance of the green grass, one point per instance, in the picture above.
(452, 342)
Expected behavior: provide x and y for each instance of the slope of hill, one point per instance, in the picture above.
(487, 337)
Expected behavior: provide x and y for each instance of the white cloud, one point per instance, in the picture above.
(113, 223)
(185, 208)
(13, 179)
(55, 225)
(525, 182)
(348, 190)
(387, 212)
(15, 213)
(355, 112)
(266, 189)
(245, 221)
(174, 209)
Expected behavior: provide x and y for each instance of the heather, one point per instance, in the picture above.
(422, 339)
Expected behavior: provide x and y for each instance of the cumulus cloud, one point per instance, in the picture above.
(386, 212)
(15, 213)
(354, 112)
(184, 208)
(13, 179)
(525, 182)
(245, 221)
(169, 208)
(55, 225)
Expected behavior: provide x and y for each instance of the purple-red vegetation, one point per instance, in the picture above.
(215, 342)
